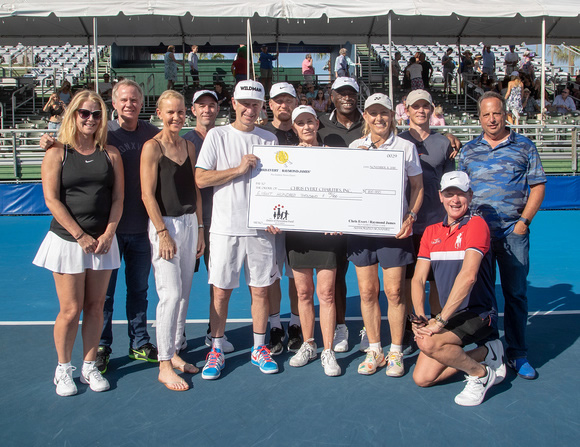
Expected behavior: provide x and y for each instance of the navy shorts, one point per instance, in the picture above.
(470, 327)
(364, 251)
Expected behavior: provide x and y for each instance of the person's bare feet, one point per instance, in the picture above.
(181, 365)
(169, 378)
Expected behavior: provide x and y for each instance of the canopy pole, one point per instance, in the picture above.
(96, 54)
(184, 62)
(277, 60)
(391, 95)
(543, 74)
(458, 75)
(249, 52)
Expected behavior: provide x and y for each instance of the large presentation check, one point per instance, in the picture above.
(316, 189)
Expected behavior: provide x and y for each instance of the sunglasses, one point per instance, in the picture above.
(84, 114)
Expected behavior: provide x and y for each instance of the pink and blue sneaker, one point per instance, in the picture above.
(214, 364)
(261, 357)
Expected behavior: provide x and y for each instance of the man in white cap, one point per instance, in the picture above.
(205, 108)
(224, 163)
(435, 154)
(458, 251)
(339, 129)
(283, 100)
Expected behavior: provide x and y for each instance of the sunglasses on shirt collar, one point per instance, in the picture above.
(84, 114)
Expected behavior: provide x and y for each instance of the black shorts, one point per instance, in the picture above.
(411, 267)
(470, 327)
(312, 250)
(364, 251)
(194, 74)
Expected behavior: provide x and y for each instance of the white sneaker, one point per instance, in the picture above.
(340, 342)
(65, 385)
(227, 347)
(364, 340)
(329, 364)
(495, 359)
(305, 354)
(94, 379)
(475, 389)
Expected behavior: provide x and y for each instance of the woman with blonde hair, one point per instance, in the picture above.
(170, 67)
(173, 203)
(83, 188)
(392, 253)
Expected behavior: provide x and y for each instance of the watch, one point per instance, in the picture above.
(525, 221)
(439, 319)
(413, 215)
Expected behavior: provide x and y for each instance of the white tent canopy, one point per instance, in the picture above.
(151, 22)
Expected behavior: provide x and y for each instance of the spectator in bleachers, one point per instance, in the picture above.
(415, 73)
(511, 60)
(427, 70)
(514, 96)
(224, 97)
(64, 93)
(466, 66)
(55, 108)
(170, 67)
(299, 90)
(448, 69)
(437, 118)
(308, 68)
(310, 92)
(304, 101)
(564, 103)
(106, 88)
(240, 65)
(401, 112)
(477, 64)
(488, 61)
(266, 67)
(192, 60)
(343, 65)
(527, 64)
(530, 105)
(396, 69)
(320, 103)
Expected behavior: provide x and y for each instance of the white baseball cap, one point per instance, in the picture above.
(417, 95)
(281, 88)
(455, 179)
(379, 98)
(303, 109)
(249, 90)
(201, 93)
(345, 82)
(515, 73)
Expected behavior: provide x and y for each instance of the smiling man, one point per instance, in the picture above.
(508, 182)
(224, 163)
(458, 251)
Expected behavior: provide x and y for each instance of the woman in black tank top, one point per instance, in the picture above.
(173, 203)
(83, 188)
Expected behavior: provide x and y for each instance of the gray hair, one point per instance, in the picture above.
(488, 95)
(127, 83)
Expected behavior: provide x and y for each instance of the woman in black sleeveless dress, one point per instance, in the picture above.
(173, 203)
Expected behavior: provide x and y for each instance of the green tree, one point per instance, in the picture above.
(568, 55)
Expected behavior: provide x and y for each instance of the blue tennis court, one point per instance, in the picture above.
(298, 406)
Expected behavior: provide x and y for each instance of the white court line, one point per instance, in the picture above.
(249, 320)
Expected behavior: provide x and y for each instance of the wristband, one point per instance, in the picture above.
(82, 234)
(161, 231)
(201, 226)
(525, 221)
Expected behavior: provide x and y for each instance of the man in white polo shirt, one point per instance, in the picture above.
(225, 162)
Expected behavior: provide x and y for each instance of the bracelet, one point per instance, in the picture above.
(201, 226)
(161, 231)
(82, 234)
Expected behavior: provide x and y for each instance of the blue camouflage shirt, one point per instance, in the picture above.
(500, 179)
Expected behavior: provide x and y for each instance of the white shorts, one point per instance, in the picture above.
(60, 256)
(228, 254)
(282, 256)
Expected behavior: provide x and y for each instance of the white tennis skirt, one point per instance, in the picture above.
(60, 256)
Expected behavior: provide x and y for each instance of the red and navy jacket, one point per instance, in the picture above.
(445, 249)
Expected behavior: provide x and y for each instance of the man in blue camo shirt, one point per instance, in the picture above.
(508, 184)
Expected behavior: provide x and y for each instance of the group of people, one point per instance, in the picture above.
(124, 189)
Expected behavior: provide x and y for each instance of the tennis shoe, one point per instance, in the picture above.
(328, 360)
(294, 338)
(102, 362)
(261, 357)
(372, 361)
(475, 389)
(523, 368)
(395, 366)
(214, 363)
(277, 337)
(147, 353)
(65, 385)
(93, 377)
(495, 359)
(340, 342)
(305, 354)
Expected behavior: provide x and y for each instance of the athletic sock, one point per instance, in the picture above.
(259, 339)
(64, 365)
(396, 348)
(294, 320)
(88, 365)
(218, 342)
(375, 347)
(274, 320)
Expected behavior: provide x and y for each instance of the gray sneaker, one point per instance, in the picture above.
(94, 378)
(364, 340)
(340, 342)
(328, 359)
(305, 354)
(495, 359)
